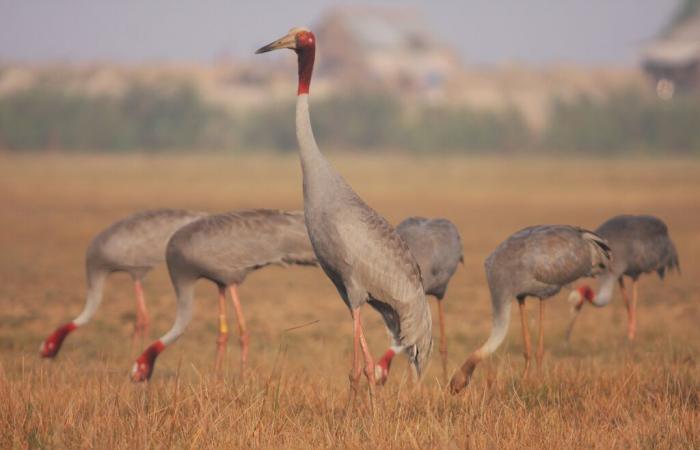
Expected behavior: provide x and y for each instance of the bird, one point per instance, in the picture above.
(640, 244)
(135, 245)
(225, 248)
(437, 248)
(357, 248)
(534, 262)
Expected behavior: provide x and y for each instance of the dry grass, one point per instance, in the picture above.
(599, 392)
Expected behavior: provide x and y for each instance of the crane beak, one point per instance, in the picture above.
(288, 41)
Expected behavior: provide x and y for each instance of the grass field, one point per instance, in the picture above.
(598, 392)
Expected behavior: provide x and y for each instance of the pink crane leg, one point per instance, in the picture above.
(540, 340)
(142, 319)
(356, 371)
(222, 340)
(631, 307)
(526, 338)
(242, 331)
(443, 342)
(632, 323)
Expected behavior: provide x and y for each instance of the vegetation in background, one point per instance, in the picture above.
(626, 120)
(46, 117)
(177, 118)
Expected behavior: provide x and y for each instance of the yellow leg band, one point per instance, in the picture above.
(223, 326)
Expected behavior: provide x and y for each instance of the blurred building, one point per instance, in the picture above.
(389, 47)
(673, 60)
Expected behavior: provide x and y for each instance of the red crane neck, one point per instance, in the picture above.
(305, 58)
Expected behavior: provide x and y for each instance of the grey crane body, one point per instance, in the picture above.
(534, 262)
(137, 243)
(437, 248)
(366, 258)
(640, 244)
(133, 245)
(538, 261)
(225, 248)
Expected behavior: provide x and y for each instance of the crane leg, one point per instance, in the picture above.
(222, 340)
(356, 371)
(443, 343)
(369, 362)
(142, 319)
(632, 318)
(630, 305)
(540, 340)
(242, 330)
(526, 338)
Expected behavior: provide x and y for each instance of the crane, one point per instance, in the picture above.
(357, 248)
(640, 244)
(133, 245)
(534, 262)
(225, 248)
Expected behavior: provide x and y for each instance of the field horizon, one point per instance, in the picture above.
(599, 391)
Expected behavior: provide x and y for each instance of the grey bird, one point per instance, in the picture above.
(640, 244)
(133, 245)
(357, 248)
(225, 248)
(534, 262)
(437, 248)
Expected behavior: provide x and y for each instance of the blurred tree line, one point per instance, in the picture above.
(155, 119)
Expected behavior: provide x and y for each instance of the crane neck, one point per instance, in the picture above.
(606, 286)
(311, 158)
(305, 60)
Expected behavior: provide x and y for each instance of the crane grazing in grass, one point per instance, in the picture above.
(225, 248)
(133, 245)
(534, 262)
(640, 244)
(437, 247)
(357, 248)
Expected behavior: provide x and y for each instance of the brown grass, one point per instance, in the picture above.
(600, 392)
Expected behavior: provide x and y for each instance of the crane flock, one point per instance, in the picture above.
(368, 261)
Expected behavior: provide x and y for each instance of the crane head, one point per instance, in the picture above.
(143, 367)
(297, 39)
(581, 295)
(50, 347)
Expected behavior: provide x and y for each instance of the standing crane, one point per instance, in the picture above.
(133, 245)
(437, 247)
(640, 244)
(225, 248)
(357, 248)
(534, 262)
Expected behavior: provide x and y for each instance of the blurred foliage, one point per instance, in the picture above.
(46, 117)
(377, 121)
(625, 120)
(175, 117)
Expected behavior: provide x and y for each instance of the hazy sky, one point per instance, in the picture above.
(483, 31)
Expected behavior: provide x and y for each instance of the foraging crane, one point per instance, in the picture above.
(640, 244)
(134, 245)
(225, 248)
(437, 247)
(357, 248)
(534, 262)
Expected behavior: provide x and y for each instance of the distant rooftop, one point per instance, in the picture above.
(678, 47)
